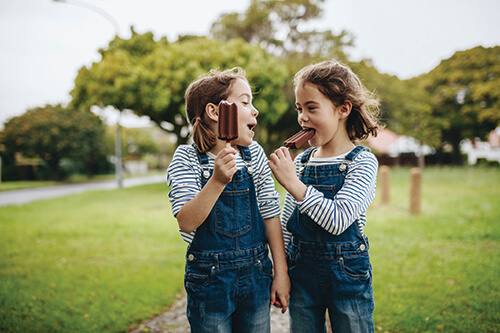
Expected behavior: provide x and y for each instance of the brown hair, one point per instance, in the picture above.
(339, 84)
(212, 87)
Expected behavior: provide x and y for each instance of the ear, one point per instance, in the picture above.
(345, 110)
(212, 112)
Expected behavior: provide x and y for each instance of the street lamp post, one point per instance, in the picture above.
(95, 9)
(118, 142)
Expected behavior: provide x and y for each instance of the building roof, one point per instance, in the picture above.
(383, 141)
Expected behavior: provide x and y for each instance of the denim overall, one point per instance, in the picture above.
(328, 271)
(228, 270)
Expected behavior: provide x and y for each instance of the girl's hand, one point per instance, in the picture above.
(283, 169)
(225, 165)
(282, 166)
(279, 292)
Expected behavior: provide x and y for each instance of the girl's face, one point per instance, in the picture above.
(317, 111)
(241, 94)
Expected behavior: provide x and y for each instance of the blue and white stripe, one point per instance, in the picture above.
(349, 204)
(184, 179)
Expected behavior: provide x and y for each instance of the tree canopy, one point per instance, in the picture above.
(153, 82)
(279, 27)
(465, 94)
(54, 132)
(271, 41)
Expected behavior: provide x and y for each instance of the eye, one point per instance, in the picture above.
(299, 110)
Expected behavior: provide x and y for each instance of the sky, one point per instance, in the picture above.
(43, 43)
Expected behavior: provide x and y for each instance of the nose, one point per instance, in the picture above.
(255, 112)
(302, 118)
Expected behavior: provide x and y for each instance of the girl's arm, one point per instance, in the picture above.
(281, 283)
(269, 207)
(288, 209)
(350, 202)
(194, 212)
(336, 215)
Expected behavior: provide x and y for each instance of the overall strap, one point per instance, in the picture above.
(247, 158)
(306, 156)
(350, 157)
(245, 153)
(353, 153)
(203, 158)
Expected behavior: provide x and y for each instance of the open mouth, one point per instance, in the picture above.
(251, 126)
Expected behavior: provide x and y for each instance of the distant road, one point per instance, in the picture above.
(18, 197)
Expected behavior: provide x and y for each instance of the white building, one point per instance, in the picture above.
(392, 144)
(478, 149)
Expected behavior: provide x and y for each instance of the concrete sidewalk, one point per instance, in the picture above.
(19, 197)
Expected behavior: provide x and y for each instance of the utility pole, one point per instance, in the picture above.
(118, 141)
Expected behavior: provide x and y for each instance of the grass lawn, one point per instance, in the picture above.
(19, 185)
(106, 260)
(438, 271)
(95, 262)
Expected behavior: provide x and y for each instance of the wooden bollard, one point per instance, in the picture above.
(385, 184)
(415, 190)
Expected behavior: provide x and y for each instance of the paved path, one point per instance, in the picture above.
(174, 320)
(18, 197)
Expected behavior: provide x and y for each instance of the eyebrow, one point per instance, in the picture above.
(245, 95)
(307, 103)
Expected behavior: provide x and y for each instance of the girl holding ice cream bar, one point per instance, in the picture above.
(330, 187)
(228, 211)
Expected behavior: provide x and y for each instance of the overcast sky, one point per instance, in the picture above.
(43, 43)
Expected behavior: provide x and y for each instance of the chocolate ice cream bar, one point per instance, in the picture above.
(297, 140)
(228, 121)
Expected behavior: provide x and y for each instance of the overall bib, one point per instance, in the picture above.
(228, 270)
(328, 271)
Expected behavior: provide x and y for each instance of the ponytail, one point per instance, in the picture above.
(203, 136)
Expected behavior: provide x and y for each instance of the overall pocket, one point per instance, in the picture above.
(197, 277)
(356, 267)
(232, 216)
(266, 267)
(291, 257)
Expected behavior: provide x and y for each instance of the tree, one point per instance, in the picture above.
(113, 81)
(54, 132)
(277, 26)
(153, 82)
(465, 95)
(405, 105)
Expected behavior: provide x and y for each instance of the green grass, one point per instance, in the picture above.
(438, 271)
(106, 260)
(19, 185)
(96, 262)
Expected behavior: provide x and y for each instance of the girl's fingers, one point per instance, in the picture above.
(282, 153)
(286, 152)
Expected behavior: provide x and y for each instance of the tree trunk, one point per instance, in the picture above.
(54, 168)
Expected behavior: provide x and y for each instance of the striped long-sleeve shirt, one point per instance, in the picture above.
(184, 179)
(349, 204)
